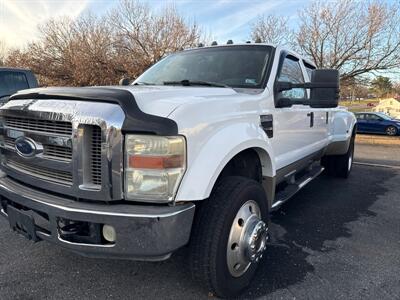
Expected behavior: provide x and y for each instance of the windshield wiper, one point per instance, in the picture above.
(186, 82)
(143, 83)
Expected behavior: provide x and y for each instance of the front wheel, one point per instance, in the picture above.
(229, 236)
(391, 130)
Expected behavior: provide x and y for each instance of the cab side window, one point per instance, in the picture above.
(291, 72)
(371, 117)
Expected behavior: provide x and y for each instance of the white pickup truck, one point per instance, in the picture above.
(197, 152)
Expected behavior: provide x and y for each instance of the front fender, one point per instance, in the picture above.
(210, 149)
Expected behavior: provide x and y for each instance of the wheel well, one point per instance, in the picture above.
(246, 163)
(353, 134)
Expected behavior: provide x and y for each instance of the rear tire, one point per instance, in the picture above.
(212, 248)
(340, 165)
(391, 131)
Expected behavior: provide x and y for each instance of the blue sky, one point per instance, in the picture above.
(222, 19)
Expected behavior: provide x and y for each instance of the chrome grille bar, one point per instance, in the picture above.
(96, 155)
(49, 151)
(80, 142)
(60, 177)
(56, 127)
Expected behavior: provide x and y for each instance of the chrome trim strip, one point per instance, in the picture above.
(27, 193)
(85, 245)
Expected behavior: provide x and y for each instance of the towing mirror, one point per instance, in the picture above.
(324, 87)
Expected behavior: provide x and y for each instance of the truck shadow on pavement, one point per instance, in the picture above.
(317, 214)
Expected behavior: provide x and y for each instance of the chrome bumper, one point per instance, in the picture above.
(143, 232)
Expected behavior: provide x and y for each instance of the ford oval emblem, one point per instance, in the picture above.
(25, 146)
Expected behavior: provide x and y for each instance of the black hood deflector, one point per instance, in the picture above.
(136, 121)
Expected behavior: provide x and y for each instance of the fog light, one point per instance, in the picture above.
(109, 233)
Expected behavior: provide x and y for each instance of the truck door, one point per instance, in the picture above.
(296, 135)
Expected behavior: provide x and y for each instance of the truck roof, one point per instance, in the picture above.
(8, 69)
(279, 47)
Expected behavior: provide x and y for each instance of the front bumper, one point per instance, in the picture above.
(142, 232)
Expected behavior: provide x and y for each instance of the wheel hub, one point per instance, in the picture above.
(247, 239)
(255, 239)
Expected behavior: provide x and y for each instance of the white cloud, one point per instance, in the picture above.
(19, 18)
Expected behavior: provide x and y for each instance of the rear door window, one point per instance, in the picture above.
(11, 82)
(360, 117)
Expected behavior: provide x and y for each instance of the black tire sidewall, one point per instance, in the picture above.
(224, 282)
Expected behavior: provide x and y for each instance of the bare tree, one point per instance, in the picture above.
(272, 29)
(99, 51)
(356, 37)
(143, 36)
(3, 52)
(71, 52)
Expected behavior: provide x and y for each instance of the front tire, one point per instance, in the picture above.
(391, 131)
(229, 235)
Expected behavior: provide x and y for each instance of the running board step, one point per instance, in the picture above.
(291, 189)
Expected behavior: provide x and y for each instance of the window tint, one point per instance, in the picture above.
(309, 69)
(360, 116)
(11, 82)
(291, 72)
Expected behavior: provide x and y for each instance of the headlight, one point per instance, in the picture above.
(154, 167)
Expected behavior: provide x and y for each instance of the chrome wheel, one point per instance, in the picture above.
(247, 239)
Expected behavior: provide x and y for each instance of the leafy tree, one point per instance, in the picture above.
(382, 86)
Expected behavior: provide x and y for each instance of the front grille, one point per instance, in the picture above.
(56, 176)
(49, 151)
(57, 152)
(96, 155)
(48, 126)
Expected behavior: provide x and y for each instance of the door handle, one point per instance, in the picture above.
(311, 115)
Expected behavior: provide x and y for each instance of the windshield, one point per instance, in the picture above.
(234, 66)
(11, 82)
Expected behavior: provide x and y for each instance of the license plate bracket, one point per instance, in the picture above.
(22, 223)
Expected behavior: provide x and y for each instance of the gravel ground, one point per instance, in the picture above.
(336, 239)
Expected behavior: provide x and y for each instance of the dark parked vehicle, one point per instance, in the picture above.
(13, 80)
(377, 123)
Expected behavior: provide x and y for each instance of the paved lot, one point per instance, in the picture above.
(337, 239)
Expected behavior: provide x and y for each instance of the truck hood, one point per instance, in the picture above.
(163, 100)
